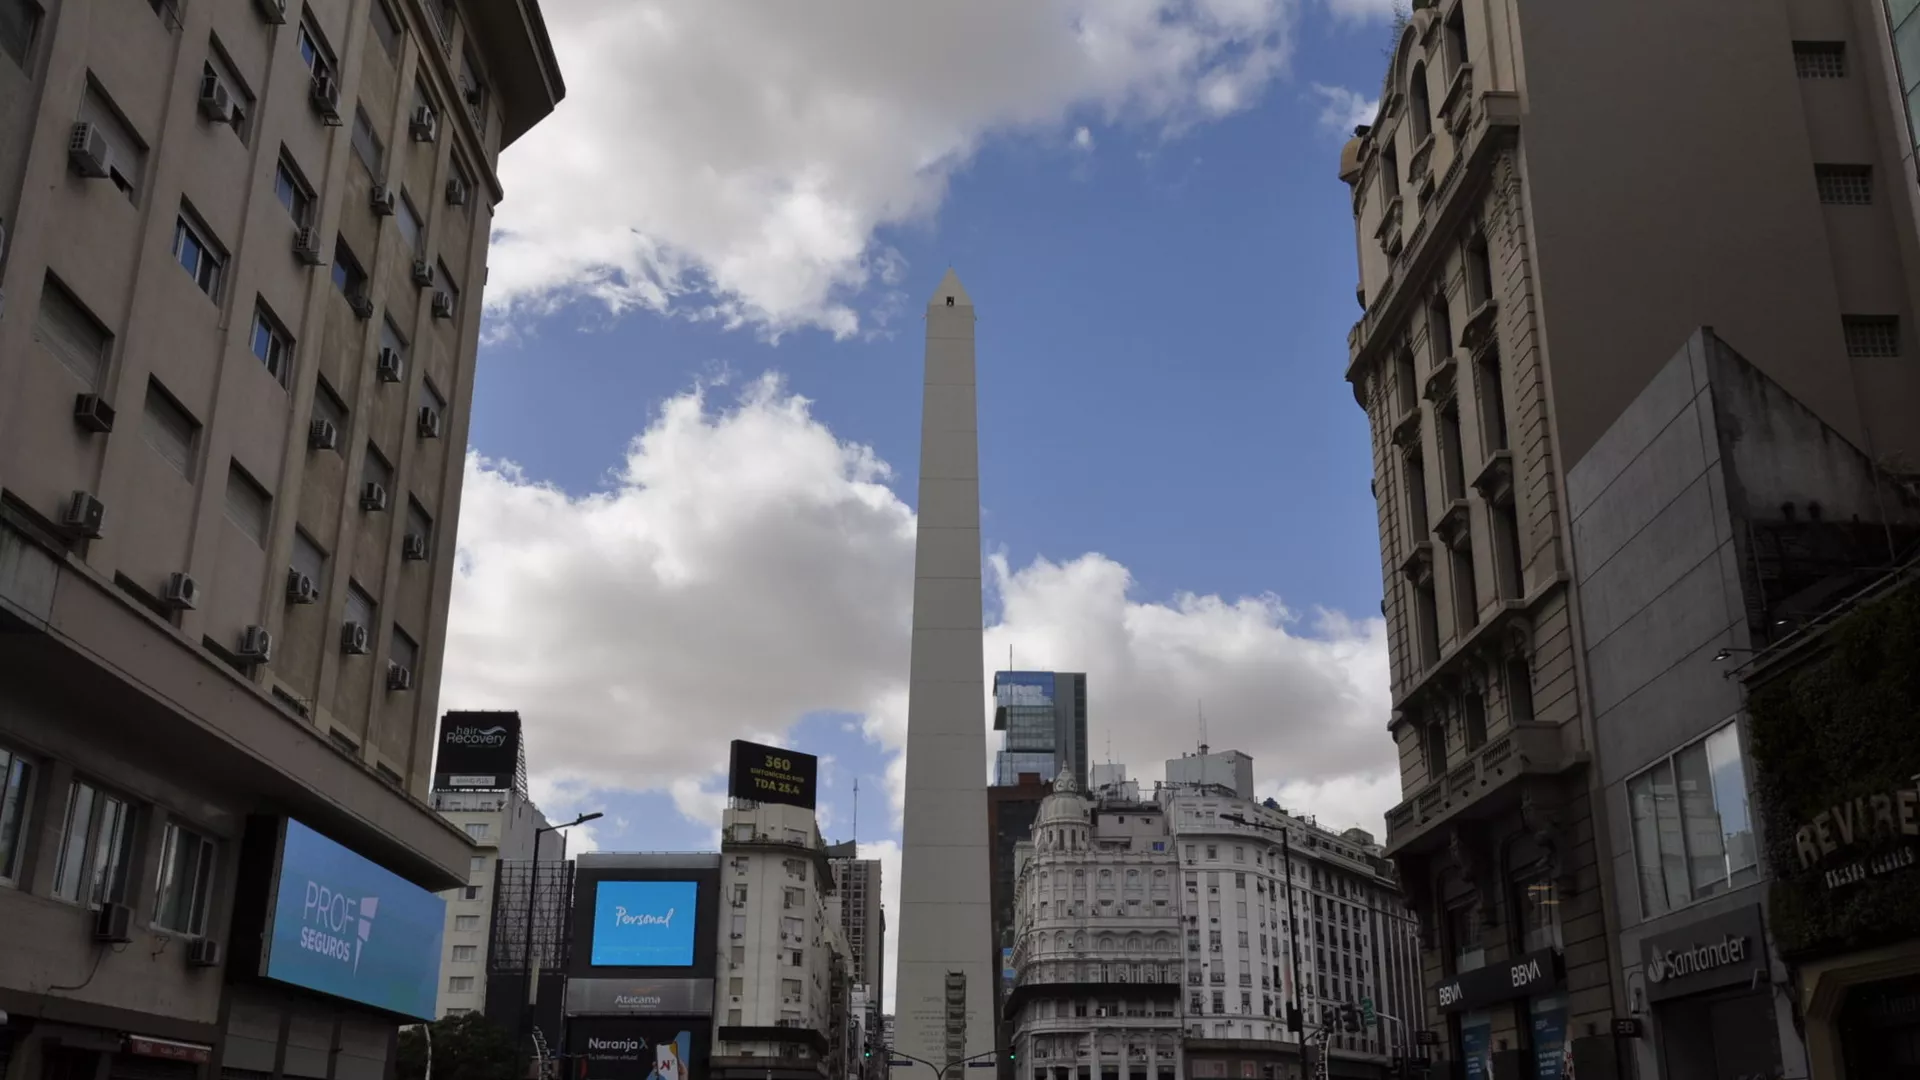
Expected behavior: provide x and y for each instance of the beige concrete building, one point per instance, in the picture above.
(245, 242)
(1550, 202)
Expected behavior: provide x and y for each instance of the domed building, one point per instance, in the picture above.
(1097, 965)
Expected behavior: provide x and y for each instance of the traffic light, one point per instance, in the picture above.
(1349, 1017)
(1012, 1054)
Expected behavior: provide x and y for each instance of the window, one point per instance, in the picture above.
(1820, 59)
(1493, 402)
(1844, 185)
(1419, 105)
(169, 429)
(127, 154)
(418, 523)
(409, 221)
(218, 71)
(465, 954)
(466, 923)
(442, 12)
(386, 30)
(197, 254)
(248, 504)
(1455, 40)
(478, 830)
(360, 612)
(186, 880)
(462, 176)
(1692, 834)
(1479, 274)
(71, 334)
(328, 406)
(272, 345)
(476, 865)
(366, 145)
(96, 847)
(1453, 471)
(1473, 716)
(1435, 735)
(1390, 173)
(313, 49)
(431, 398)
(348, 277)
(1871, 335)
(790, 988)
(470, 892)
(19, 24)
(460, 984)
(16, 787)
(474, 89)
(446, 283)
(403, 650)
(375, 470)
(293, 191)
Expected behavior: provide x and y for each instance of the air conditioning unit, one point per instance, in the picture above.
(202, 953)
(423, 273)
(306, 246)
(83, 516)
(92, 412)
(87, 150)
(113, 924)
(385, 200)
(215, 103)
(387, 365)
(399, 679)
(326, 98)
(413, 547)
(373, 496)
(301, 589)
(322, 435)
(456, 192)
(354, 639)
(181, 593)
(422, 124)
(443, 305)
(361, 304)
(429, 422)
(256, 644)
(273, 11)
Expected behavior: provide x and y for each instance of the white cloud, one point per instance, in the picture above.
(1083, 140)
(746, 567)
(1366, 11)
(734, 161)
(1345, 109)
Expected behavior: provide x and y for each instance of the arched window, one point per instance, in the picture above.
(1418, 104)
(1133, 943)
(1133, 876)
(1159, 875)
(1106, 877)
(1079, 876)
(1106, 941)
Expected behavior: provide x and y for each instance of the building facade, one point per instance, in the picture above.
(211, 616)
(1255, 949)
(856, 906)
(1042, 718)
(501, 825)
(777, 1011)
(1096, 955)
(1546, 697)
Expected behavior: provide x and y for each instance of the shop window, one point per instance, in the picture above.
(1692, 830)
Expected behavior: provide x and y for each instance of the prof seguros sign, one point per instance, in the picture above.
(345, 926)
(477, 750)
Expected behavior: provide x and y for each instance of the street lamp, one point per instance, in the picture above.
(1297, 1020)
(533, 896)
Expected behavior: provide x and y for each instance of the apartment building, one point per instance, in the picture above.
(1256, 950)
(1550, 207)
(856, 907)
(501, 825)
(1096, 994)
(778, 1011)
(244, 246)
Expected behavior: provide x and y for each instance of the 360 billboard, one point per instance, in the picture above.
(346, 926)
(644, 923)
(770, 774)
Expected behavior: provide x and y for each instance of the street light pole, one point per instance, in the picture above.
(1293, 923)
(533, 898)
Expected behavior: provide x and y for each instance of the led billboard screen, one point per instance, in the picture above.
(644, 923)
(771, 775)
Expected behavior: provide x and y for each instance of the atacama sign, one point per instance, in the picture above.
(1713, 952)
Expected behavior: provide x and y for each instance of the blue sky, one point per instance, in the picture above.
(1174, 472)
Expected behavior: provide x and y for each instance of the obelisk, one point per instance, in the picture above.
(945, 924)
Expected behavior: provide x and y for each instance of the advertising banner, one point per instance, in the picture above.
(644, 923)
(618, 1048)
(346, 926)
(771, 775)
(629, 997)
(478, 751)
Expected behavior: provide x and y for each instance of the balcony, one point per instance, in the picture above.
(1484, 784)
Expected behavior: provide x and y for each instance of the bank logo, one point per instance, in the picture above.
(338, 926)
(1667, 964)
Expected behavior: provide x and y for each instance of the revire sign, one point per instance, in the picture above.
(1856, 823)
(479, 751)
(771, 775)
(1535, 973)
(1723, 950)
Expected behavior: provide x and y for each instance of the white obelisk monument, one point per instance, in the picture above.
(943, 1006)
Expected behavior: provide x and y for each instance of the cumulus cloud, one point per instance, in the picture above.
(1083, 140)
(734, 161)
(746, 567)
(1365, 11)
(1345, 109)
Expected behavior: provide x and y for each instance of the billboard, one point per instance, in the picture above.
(622, 1048)
(772, 775)
(478, 751)
(644, 923)
(343, 925)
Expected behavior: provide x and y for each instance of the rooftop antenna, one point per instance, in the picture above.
(1200, 712)
(856, 817)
